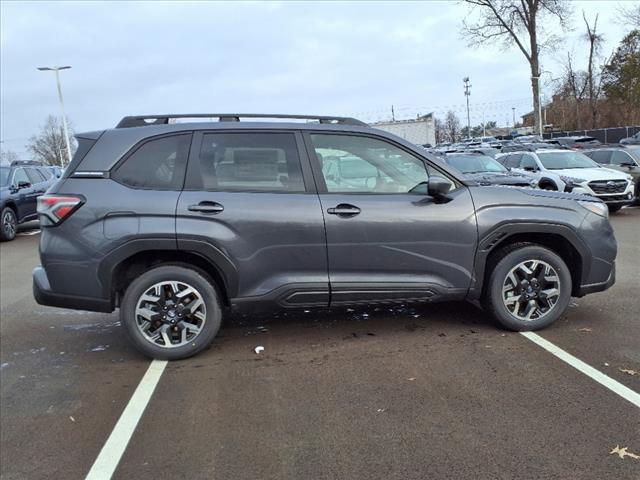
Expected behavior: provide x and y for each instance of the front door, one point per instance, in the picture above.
(384, 242)
(250, 199)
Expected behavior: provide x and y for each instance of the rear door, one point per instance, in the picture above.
(384, 242)
(26, 201)
(250, 201)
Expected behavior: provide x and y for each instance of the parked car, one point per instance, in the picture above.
(56, 170)
(575, 143)
(21, 183)
(625, 158)
(528, 139)
(571, 171)
(525, 147)
(632, 140)
(174, 223)
(486, 171)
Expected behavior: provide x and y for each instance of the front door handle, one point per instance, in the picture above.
(344, 209)
(206, 207)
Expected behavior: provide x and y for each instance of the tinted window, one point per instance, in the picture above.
(600, 156)
(20, 176)
(353, 164)
(513, 161)
(250, 162)
(618, 158)
(34, 175)
(528, 162)
(157, 164)
(46, 173)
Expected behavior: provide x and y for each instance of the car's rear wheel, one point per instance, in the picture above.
(171, 312)
(8, 224)
(529, 287)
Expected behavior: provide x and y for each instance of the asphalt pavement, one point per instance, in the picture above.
(387, 392)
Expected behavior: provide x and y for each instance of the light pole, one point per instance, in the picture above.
(467, 93)
(64, 116)
(513, 109)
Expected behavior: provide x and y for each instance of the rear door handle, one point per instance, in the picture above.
(344, 209)
(206, 207)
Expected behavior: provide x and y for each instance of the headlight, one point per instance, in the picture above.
(599, 208)
(572, 180)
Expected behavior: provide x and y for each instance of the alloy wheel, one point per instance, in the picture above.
(531, 290)
(170, 314)
(9, 224)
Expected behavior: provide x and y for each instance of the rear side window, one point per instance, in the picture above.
(157, 164)
(46, 173)
(34, 175)
(250, 162)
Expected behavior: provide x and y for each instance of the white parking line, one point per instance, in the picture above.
(588, 370)
(112, 451)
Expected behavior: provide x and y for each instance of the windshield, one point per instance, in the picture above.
(562, 160)
(4, 176)
(474, 163)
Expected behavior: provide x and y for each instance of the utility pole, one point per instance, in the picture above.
(393, 115)
(64, 116)
(513, 109)
(467, 93)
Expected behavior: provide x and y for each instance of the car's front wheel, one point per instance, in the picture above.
(8, 224)
(171, 312)
(614, 208)
(529, 287)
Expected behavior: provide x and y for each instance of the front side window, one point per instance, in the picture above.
(513, 161)
(158, 164)
(620, 158)
(600, 156)
(34, 175)
(253, 162)
(354, 164)
(528, 162)
(20, 176)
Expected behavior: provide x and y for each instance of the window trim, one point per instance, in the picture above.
(321, 184)
(192, 178)
(112, 171)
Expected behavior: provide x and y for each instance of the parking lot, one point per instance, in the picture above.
(386, 392)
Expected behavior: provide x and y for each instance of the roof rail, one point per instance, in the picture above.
(146, 120)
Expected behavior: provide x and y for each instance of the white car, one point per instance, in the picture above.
(571, 171)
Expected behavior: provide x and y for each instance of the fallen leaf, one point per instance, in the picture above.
(622, 452)
(585, 329)
(626, 370)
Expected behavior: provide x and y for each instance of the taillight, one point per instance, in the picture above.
(58, 207)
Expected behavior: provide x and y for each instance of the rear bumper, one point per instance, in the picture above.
(45, 296)
(598, 287)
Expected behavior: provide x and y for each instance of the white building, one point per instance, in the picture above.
(419, 131)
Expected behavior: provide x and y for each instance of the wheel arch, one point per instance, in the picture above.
(560, 239)
(125, 263)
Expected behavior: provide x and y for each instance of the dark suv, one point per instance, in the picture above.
(21, 183)
(175, 222)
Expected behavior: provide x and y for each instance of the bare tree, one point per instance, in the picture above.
(594, 83)
(7, 156)
(49, 146)
(451, 126)
(519, 23)
(629, 15)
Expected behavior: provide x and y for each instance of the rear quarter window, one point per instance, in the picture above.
(157, 164)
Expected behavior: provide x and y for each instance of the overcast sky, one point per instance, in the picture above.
(350, 58)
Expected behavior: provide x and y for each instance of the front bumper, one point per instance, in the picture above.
(598, 287)
(45, 296)
(623, 198)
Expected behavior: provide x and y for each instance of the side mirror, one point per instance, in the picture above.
(438, 187)
(22, 185)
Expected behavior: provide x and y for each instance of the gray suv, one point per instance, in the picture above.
(175, 223)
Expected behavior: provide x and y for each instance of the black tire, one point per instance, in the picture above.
(510, 257)
(178, 274)
(548, 185)
(8, 224)
(614, 208)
